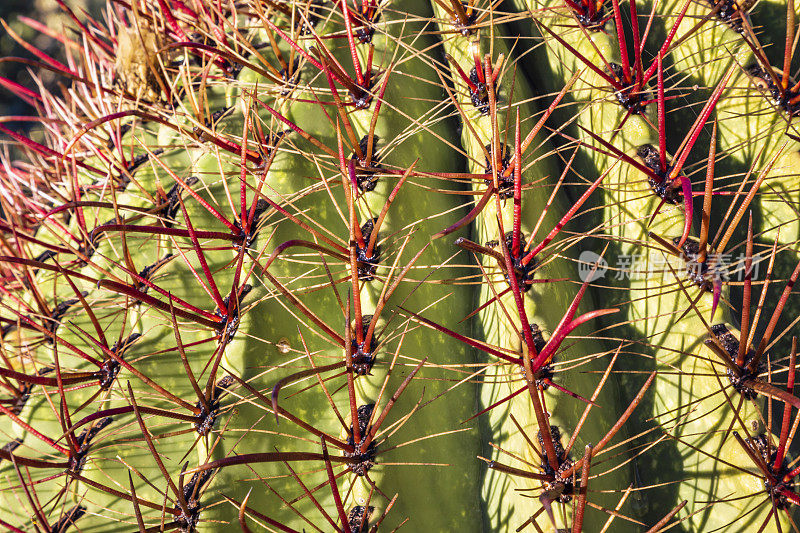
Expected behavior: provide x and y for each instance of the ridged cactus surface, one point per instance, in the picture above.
(424, 265)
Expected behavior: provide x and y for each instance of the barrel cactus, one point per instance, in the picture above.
(367, 265)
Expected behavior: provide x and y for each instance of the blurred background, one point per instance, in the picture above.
(49, 13)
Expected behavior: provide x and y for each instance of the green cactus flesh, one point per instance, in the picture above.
(258, 268)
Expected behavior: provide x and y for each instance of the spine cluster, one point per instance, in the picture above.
(361, 265)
